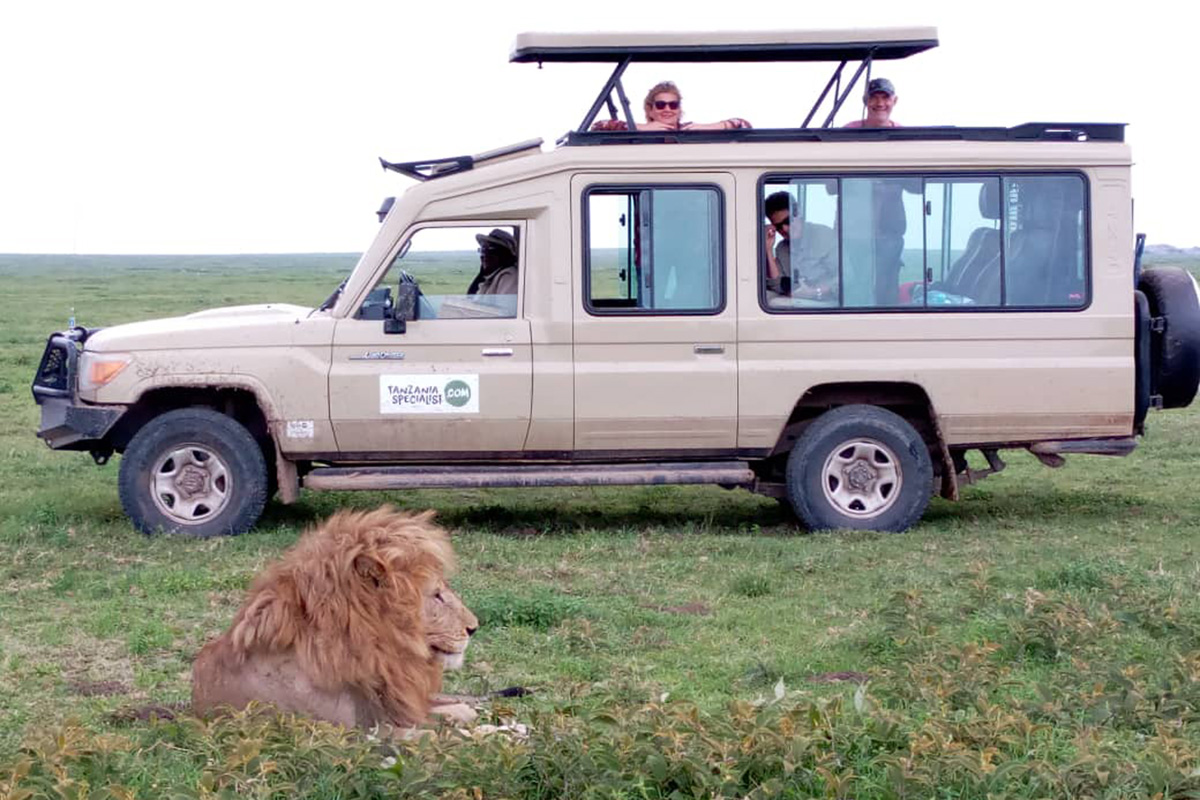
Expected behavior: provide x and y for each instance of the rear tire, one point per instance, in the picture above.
(193, 471)
(859, 467)
(1175, 353)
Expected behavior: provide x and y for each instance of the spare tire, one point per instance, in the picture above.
(1175, 349)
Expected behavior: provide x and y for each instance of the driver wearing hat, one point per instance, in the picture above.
(497, 263)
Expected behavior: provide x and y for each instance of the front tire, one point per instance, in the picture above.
(859, 467)
(193, 471)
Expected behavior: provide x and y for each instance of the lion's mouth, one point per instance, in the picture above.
(451, 659)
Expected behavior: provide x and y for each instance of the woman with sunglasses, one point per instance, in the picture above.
(664, 112)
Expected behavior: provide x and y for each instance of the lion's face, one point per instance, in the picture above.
(449, 625)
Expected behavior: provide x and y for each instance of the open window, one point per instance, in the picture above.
(460, 272)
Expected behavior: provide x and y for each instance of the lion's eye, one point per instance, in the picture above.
(438, 596)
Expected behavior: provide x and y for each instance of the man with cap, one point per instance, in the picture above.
(880, 99)
(497, 263)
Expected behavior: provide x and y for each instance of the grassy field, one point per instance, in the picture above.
(1041, 638)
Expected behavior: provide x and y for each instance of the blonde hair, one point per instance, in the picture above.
(659, 88)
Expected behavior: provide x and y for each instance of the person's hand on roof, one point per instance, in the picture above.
(610, 125)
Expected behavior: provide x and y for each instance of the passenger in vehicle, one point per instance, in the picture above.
(813, 274)
(664, 112)
(497, 263)
(879, 101)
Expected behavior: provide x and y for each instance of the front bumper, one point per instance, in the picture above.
(68, 426)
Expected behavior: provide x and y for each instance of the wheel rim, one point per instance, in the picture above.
(190, 484)
(861, 478)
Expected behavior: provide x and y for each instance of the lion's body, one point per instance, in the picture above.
(353, 625)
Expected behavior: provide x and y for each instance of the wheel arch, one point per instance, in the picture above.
(240, 402)
(908, 400)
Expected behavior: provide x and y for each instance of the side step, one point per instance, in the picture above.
(1051, 453)
(726, 473)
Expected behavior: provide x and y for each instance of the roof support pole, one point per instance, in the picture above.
(866, 64)
(837, 73)
(613, 80)
(625, 105)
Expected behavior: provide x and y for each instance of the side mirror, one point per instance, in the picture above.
(385, 207)
(404, 308)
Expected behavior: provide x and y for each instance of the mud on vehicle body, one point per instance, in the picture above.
(981, 291)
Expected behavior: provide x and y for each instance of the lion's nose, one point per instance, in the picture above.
(471, 631)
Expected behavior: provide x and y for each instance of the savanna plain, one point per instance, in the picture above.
(1038, 639)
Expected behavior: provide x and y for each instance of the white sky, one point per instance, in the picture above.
(244, 126)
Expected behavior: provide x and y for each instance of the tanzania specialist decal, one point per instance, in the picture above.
(428, 394)
(300, 429)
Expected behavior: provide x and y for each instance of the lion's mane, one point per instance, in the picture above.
(341, 613)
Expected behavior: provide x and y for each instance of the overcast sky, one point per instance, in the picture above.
(229, 127)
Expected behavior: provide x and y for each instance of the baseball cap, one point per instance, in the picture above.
(498, 237)
(880, 85)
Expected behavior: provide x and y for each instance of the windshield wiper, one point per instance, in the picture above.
(329, 301)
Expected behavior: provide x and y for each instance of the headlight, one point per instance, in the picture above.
(98, 369)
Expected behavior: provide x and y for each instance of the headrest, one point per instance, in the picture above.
(989, 199)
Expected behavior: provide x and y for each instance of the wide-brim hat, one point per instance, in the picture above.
(499, 238)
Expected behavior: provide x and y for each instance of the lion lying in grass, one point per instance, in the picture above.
(353, 625)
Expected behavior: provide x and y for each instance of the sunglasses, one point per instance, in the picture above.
(671, 104)
(779, 226)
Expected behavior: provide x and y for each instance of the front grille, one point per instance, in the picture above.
(53, 371)
(55, 376)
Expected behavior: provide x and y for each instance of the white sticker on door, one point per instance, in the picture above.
(428, 394)
(300, 429)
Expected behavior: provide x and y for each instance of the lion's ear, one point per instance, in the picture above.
(370, 569)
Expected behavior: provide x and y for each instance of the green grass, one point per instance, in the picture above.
(1041, 638)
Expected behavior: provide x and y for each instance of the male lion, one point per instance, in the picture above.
(353, 625)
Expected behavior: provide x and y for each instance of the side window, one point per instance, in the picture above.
(882, 248)
(933, 241)
(962, 243)
(1045, 263)
(800, 244)
(653, 250)
(461, 273)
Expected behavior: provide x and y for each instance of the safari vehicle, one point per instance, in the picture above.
(988, 297)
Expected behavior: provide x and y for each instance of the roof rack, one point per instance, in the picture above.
(1030, 131)
(865, 45)
(441, 167)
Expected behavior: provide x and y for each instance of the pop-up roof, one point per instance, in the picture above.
(824, 45)
(865, 45)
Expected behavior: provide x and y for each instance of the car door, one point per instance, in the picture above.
(654, 323)
(458, 379)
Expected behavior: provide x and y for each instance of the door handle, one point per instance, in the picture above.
(497, 351)
(709, 348)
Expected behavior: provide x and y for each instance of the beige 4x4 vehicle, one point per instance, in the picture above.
(982, 293)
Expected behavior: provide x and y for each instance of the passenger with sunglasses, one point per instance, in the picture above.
(813, 274)
(664, 112)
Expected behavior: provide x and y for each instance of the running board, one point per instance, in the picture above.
(1051, 453)
(1096, 447)
(725, 473)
